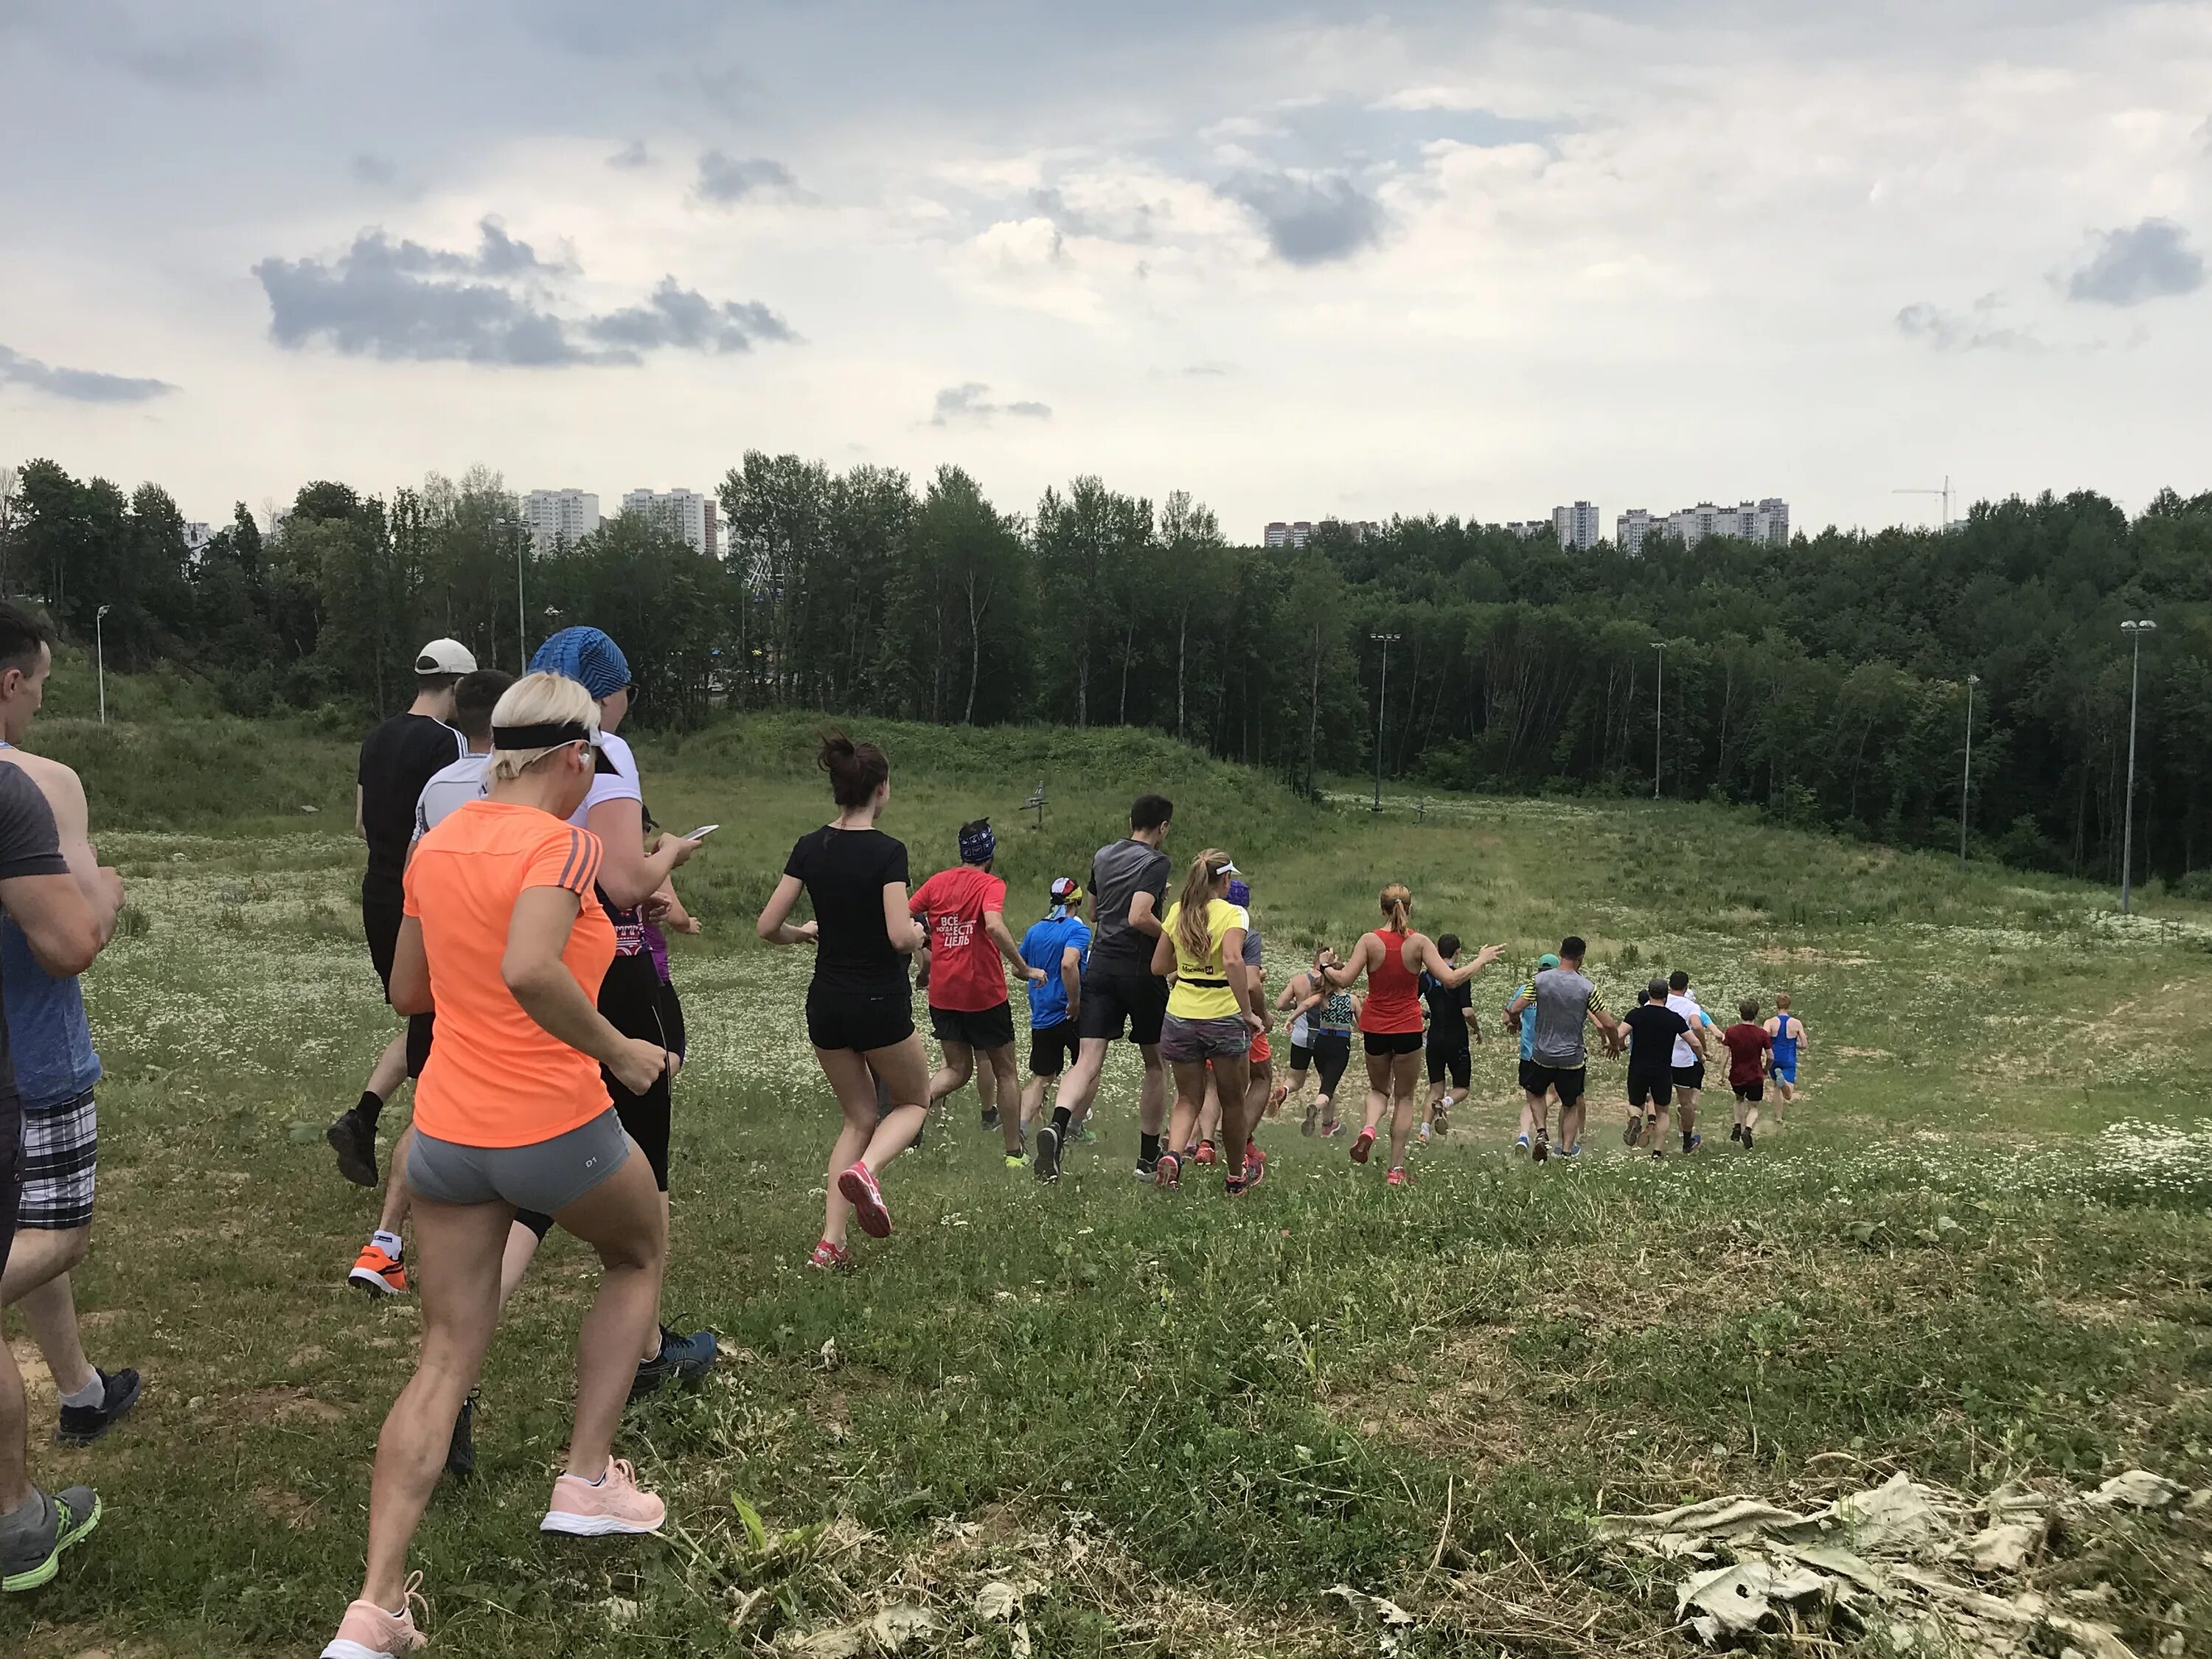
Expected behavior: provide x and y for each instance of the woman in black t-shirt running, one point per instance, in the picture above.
(859, 1012)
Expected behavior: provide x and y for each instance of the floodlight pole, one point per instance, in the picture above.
(2134, 631)
(1966, 782)
(1382, 705)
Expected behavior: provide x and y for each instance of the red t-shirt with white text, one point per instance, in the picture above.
(965, 974)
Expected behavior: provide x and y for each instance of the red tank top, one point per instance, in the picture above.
(1394, 994)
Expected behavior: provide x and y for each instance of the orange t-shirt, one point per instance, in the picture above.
(495, 1076)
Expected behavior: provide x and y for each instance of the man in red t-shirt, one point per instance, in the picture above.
(1748, 1045)
(963, 909)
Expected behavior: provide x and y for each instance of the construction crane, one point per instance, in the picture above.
(1945, 492)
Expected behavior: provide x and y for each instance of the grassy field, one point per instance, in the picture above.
(1092, 1419)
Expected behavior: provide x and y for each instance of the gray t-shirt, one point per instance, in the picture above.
(1118, 874)
(30, 845)
(1563, 999)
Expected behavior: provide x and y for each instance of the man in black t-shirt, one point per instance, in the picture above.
(39, 892)
(397, 759)
(1653, 1028)
(1452, 1024)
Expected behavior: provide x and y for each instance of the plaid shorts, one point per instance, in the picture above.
(60, 1148)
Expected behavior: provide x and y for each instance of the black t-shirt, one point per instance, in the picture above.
(1447, 1021)
(1653, 1027)
(846, 871)
(30, 845)
(397, 759)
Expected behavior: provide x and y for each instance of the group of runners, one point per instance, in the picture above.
(516, 902)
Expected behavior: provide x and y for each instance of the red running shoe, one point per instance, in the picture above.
(1398, 1177)
(1363, 1146)
(832, 1257)
(858, 1184)
(1168, 1172)
(1205, 1154)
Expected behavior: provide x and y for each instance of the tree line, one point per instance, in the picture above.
(1825, 681)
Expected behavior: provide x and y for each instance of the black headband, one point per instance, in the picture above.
(552, 737)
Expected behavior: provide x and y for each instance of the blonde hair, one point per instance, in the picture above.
(1398, 906)
(1191, 932)
(538, 700)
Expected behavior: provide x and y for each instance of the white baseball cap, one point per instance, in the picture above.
(445, 657)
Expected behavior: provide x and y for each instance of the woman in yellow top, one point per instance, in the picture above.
(1214, 1010)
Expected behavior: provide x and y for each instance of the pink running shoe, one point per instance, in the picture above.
(1205, 1154)
(858, 1184)
(368, 1631)
(1363, 1146)
(832, 1257)
(1398, 1177)
(616, 1504)
(1168, 1172)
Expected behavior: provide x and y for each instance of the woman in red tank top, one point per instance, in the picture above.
(1392, 957)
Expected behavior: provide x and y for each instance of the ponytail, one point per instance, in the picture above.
(1398, 907)
(1191, 932)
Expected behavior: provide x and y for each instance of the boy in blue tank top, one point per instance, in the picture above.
(1789, 1034)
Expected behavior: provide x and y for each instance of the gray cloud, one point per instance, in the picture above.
(80, 385)
(1310, 219)
(2151, 260)
(1068, 221)
(969, 403)
(105, 33)
(380, 170)
(723, 179)
(404, 302)
(632, 155)
(1952, 331)
(682, 317)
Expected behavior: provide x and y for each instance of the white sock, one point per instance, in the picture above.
(387, 1243)
(94, 1393)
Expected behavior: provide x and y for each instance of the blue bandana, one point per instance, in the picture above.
(1238, 892)
(587, 656)
(979, 846)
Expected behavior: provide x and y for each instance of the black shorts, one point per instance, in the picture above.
(1332, 1053)
(1754, 1091)
(671, 1017)
(847, 1020)
(1391, 1043)
(1459, 1061)
(1114, 994)
(630, 998)
(1052, 1048)
(1301, 1057)
(1568, 1080)
(379, 921)
(1653, 1088)
(978, 1028)
(11, 1170)
(1690, 1076)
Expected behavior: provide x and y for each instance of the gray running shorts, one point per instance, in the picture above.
(548, 1176)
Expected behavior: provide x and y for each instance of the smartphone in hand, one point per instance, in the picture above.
(702, 832)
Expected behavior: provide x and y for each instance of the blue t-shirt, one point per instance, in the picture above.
(1042, 947)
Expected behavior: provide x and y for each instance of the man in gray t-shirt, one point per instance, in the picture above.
(1564, 1001)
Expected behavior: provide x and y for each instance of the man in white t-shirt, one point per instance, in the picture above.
(1689, 1060)
(453, 785)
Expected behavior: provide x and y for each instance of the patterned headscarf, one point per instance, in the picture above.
(587, 656)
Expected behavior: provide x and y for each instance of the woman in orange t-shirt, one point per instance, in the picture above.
(502, 935)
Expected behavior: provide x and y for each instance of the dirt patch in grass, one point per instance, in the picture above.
(285, 1405)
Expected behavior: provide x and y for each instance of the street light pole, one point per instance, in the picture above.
(1966, 782)
(1658, 716)
(521, 627)
(100, 648)
(1381, 707)
(2134, 631)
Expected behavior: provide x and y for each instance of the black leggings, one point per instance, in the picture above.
(630, 997)
(1332, 1053)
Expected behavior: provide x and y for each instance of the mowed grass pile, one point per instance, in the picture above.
(1979, 1251)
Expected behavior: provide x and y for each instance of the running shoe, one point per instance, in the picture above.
(1520, 1143)
(858, 1184)
(1331, 1131)
(1145, 1171)
(1398, 1177)
(1735, 1131)
(686, 1359)
(613, 1503)
(1313, 1112)
(990, 1117)
(1691, 1142)
(1543, 1149)
(1363, 1146)
(1574, 1151)
(32, 1556)
(832, 1257)
(1255, 1171)
(82, 1424)
(1017, 1161)
(378, 1274)
(1746, 1137)
(461, 1449)
(368, 1631)
(1080, 1131)
(353, 1137)
(1203, 1153)
(1047, 1154)
(1168, 1172)
(1443, 1119)
(1634, 1132)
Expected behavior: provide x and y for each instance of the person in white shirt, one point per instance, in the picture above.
(1689, 1060)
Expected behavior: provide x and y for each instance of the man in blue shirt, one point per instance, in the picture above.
(1061, 945)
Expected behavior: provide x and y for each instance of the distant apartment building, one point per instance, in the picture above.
(683, 513)
(1527, 527)
(197, 535)
(1765, 521)
(1576, 526)
(1282, 533)
(558, 516)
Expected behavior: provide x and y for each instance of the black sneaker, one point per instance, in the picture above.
(1147, 1168)
(685, 1358)
(461, 1450)
(82, 1424)
(990, 1117)
(1633, 1133)
(1047, 1154)
(1746, 1137)
(1542, 1149)
(353, 1137)
(1735, 1131)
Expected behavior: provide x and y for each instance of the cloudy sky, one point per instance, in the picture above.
(1303, 259)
